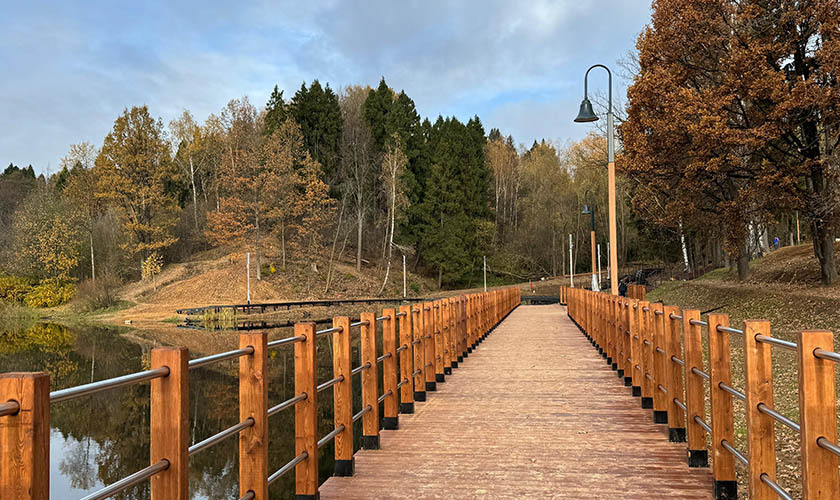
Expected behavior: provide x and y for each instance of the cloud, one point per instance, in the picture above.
(72, 67)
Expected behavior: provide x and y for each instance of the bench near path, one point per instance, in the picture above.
(534, 413)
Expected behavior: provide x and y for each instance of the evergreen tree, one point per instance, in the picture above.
(318, 114)
(276, 112)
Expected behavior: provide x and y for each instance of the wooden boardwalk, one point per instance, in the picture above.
(534, 412)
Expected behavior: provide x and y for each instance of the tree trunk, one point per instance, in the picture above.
(743, 259)
(360, 215)
(334, 244)
(440, 276)
(824, 250)
(283, 242)
(92, 262)
(195, 201)
(257, 244)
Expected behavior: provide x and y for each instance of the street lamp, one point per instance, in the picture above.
(591, 212)
(585, 115)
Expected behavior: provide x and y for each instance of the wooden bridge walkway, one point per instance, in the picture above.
(533, 413)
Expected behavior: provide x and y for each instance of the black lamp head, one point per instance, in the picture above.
(586, 113)
(586, 210)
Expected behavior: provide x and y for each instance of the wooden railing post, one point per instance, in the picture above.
(169, 423)
(343, 398)
(253, 403)
(634, 314)
(695, 400)
(458, 355)
(438, 330)
(646, 351)
(470, 308)
(306, 413)
(761, 429)
(660, 397)
(818, 414)
(726, 486)
(390, 421)
(674, 375)
(429, 339)
(627, 360)
(406, 361)
(25, 437)
(448, 334)
(419, 348)
(370, 381)
(615, 328)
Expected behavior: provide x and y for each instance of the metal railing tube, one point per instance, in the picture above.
(326, 439)
(129, 481)
(103, 385)
(763, 408)
(286, 468)
(775, 487)
(829, 355)
(221, 436)
(731, 390)
(698, 322)
(222, 356)
(735, 453)
(329, 330)
(784, 344)
(828, 445)
(703, 424)
(728, 329)
(330, 383)
(362, 412)
(287, 404)
(287, 340)
(700, 372)
(9, 408)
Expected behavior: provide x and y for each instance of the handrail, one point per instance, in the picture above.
(702, 423)
(359, 323)
(698, 322)
(382, 397)
(329, 383)
(330, 330)
(727, 329)
(221, 436)
(222, 356)
(103, 385)
(286, 404)
(828, 355)
(677, 361)
(763, 408)
(700, 372)
(362, 412)
(731, 390)
(287, 340)
(774, 486)
(737, 454)
(828, 445)
(358, 369)
(777, 342)
(333, 433)
(129, 481)
(9, 408)
(383, 357)
(286, 468)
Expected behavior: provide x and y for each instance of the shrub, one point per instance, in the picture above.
(50, 294)
(97, 294)
(13, 289)
(414, 287)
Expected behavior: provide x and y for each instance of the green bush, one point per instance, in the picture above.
(50, 294)
(13, 289)
(414, 287)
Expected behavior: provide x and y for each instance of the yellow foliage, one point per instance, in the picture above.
(50, 294)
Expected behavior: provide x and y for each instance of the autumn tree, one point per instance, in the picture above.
(80, 191)
(502, 160)
(191, 152)
(133, 171)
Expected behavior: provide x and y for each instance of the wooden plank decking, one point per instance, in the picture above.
(534, 412)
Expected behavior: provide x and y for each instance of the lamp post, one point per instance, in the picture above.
(591, 212)
(587, 115)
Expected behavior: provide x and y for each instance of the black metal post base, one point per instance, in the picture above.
(465, 355)
(469, 351)
(660, 417)
(370, 442)
(440, 377)
(447, 370)
(628, 381)
(407, 408)
(391, 423)
(460, 359)
(316, 496)
(620, 373)
(614, 366)
(726, 490)
(419, 395)
(430, 387)
(676, 434)
(698, 458)
(345, 468)
(637, 390)
(647, 403)
(609, 361)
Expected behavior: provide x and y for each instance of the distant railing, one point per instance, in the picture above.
(658, 351)
(434, 337)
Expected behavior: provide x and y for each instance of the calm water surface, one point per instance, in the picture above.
(97, 440)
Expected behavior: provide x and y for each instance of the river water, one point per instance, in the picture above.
(99, 439)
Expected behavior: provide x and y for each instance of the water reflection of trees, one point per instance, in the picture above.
(107, 434)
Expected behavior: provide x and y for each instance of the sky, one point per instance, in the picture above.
(70, 68)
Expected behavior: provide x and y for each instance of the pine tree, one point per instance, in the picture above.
(318, 114)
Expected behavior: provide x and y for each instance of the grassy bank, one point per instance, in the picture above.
(789, 309)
